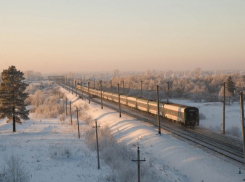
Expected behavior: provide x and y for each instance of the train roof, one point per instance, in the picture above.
(140, 99)
(174, 108)
(179, 105)
(166, 105)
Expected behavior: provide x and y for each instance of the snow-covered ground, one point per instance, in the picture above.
(51, 151)
(213, 112)
(175, 159)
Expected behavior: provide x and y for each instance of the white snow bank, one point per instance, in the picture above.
(177, 160)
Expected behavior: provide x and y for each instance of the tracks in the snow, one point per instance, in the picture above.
(218, 143)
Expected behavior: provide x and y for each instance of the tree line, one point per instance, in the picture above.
(195, 84)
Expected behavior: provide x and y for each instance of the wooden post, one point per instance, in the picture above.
(97, 142)
(66, 106)
(72, 86)
(141, 88)
(167, 91)
(123, 86)
(224, 111)
(242, 122)
(111, 85)
(78, 125)
(82, 88)
(76, 87)
(70, 113)
(101, 96)
(119, 105)
(138, 161)
(88, 94)
(158, 117)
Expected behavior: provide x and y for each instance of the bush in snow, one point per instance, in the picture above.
(62, 117)
(46, 104)
(234, 131)
(118, 156)
(14, 171)
(59, 150)
(85, 117)
(111, 177)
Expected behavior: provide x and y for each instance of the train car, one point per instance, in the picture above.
(79, 87)
(107, 95)
(123, 99)
(131, 102)
(92, 92)
(114, 97)
(153, 107)
(98, 93)
(143, 104)
(187, 116)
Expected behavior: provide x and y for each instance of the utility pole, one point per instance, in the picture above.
(101, 94)
(76, 87)
(224, 111)
(78, 125)
(119, 105)
(82, 88)
(66, 106)
(141, 88)
(138, 161)
(88, 94)
(70, 113)
(242, 121)
(167, 90)
(158, 117)
(111, 85)
(97, 141)
(123, 86)
(72, 86)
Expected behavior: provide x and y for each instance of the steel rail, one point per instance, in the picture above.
(187, 134)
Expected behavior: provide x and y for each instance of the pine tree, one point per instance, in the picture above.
(230, 85)
(12, 96)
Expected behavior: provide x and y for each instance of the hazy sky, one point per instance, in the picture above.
(103, 35)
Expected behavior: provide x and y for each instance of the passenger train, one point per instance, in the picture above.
(186, 115)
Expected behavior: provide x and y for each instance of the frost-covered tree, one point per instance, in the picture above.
(230, 85)
(15, 170)
(227, 92)
(32, 76)
(12, 96)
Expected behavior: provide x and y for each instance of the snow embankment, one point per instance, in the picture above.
(172, 158)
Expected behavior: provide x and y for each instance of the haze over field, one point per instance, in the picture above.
(52, 36)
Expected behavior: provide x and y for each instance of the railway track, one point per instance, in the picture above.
(215, 142)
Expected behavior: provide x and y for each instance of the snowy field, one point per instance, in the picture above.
(213, 112)
(51, 151)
